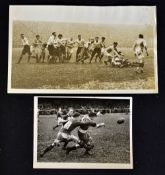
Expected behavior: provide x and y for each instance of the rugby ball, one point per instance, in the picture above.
(120, 121)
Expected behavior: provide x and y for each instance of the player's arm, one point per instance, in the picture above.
(100, 125)
(62, 121)
(145, 47)
(90, 123)
(134, 46)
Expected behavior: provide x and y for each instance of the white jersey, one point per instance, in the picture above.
(25, 41)
(80, 43)
(61, 42)
(37, 42)
(97, 44)
(140, 43)
(51, 40)
(139, 46)
(110, 51)
(70, 43)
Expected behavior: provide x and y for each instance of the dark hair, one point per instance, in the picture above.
(37, 35)
(140, 35)
(53, 33)
(60, 35)
(115, 43)
(103, 38)
(76, 114)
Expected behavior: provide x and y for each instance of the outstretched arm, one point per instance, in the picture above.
(100, 125)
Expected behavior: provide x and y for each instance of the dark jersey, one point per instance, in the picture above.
(74, 123)
(86, 120)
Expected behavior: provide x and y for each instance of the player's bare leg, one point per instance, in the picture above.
(20, 58)
(54, 127)
(50, 147)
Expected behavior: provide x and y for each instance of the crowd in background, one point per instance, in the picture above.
(52, 108)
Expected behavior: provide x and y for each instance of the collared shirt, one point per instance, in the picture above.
(87, 44)
(37, 42)
(25, 41)
(102, 43)
(70, 43)
(61, 42)
(51, 40)
(110, 50)
(80, 43)
(97, 44)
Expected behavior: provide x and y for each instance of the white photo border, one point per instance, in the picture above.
(80, 91)
(62, 165)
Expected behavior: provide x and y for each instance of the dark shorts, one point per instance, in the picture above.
(26, 49)
(86, 142)
(61, 50)
(51, 50)
(84, 137)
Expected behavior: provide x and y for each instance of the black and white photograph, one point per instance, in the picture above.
(82, 49)
(82, 132)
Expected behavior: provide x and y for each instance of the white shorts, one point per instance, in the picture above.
(35, 50)
(102, 50)
(61, 136)
(139, 54)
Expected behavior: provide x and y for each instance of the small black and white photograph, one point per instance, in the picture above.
(82, 49)
(82, 132)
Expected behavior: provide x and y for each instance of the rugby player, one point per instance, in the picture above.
(26, 48)
(83, 134)
(102, 48)
(43, 52)
(36, 48)
(97, 49)
(69, 48)
(85, 52)
(51, 46)
(111, 53)
(65, 133)
(62, 115)
(80, 44)
(139, 46)
(61, 43)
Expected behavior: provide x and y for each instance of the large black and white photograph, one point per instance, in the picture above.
(82, 49)
(83, 132)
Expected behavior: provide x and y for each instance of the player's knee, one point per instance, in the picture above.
(89, 146)
(141, 64)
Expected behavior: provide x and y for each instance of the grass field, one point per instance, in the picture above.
(112, 142)
(80, 76)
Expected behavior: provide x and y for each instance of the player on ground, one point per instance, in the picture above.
(26, 48)
(138, 48)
